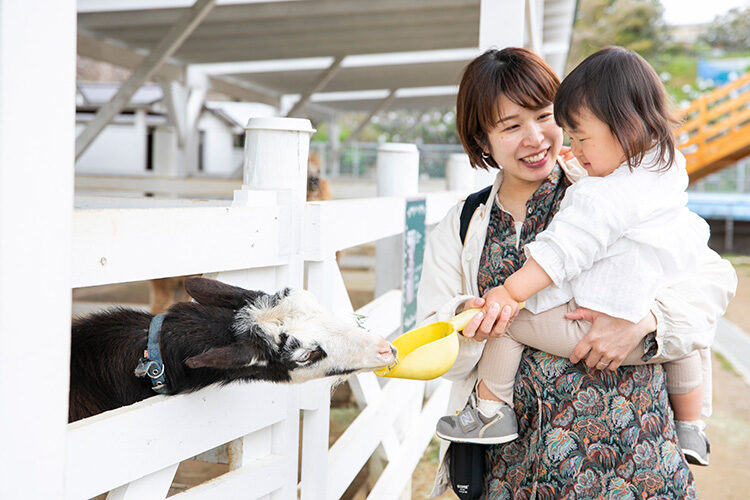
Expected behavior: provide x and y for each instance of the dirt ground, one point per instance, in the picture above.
(738, 311)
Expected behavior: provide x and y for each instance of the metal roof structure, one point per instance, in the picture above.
(318, 58)
(285, 47)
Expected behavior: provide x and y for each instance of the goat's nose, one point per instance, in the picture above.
(385, 348)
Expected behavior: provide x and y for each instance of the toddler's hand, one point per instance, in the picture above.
(499, 311)
(566, 153)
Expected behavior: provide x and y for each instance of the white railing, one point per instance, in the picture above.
(268, 238)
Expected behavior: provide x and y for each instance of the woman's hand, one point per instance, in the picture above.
(566, 153)
(498, 311)
(609, 340)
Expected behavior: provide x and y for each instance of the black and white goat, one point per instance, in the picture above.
(228, 334)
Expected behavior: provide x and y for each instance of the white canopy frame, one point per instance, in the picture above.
(544, 26)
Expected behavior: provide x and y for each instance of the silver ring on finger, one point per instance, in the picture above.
(602, 365)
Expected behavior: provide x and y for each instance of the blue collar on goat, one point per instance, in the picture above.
(151, 364)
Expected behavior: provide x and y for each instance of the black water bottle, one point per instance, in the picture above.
(466, 462)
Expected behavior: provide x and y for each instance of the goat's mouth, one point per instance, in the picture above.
(337, 372)
(384, 357)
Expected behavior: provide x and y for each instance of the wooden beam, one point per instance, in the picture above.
(102, 50)
(250, 50)
(319, 85)
(270, 11)
(243, 91)
(168, 45)
(139, 35)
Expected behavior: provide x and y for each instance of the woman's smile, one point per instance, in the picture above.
(536, 160)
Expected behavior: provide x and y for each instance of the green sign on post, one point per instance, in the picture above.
(414, 242)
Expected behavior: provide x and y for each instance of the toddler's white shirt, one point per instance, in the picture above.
(616, 239)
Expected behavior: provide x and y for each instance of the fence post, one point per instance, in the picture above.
(459, 175)
(397, 174)
(275, 173)
(36, 200)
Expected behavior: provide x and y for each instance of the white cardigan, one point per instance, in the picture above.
(686, 312)
(616, 240)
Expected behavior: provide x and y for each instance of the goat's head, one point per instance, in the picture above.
(288, 335)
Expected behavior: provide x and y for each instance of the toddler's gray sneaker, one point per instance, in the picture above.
(694, 442)
(471, 426)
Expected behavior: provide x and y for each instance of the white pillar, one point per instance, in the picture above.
(36, 200)
(398, 169)
(501, 23)
(141, 135)
(189, 153)
(459, 175)
(397, 175)
(166, 152)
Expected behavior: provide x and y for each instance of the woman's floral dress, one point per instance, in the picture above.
(583, 433)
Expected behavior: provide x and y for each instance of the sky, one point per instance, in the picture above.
(697, 11)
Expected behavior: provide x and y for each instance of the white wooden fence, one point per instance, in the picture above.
(267, 239)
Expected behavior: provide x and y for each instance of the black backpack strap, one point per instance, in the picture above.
(472, 203)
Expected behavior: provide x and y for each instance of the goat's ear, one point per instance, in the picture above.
(215, 293)
(224, 358)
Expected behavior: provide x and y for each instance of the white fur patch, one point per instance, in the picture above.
(256, 362)
(300, 316)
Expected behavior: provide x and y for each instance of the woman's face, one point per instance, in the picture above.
(524, 142)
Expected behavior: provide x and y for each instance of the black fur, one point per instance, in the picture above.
(199, 347)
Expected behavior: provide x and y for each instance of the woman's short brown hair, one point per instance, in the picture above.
(622, 90)
(518, 74)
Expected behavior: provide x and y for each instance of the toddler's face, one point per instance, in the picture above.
(594, 145)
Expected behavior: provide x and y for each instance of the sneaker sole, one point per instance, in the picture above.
(495, 440)
(693, 458)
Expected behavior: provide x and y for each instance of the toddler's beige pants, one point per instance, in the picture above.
(551, 332)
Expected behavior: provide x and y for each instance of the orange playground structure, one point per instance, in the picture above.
(716, 129)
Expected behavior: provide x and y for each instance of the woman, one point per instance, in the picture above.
(583, 432)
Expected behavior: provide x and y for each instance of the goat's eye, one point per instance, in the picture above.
(305, 357)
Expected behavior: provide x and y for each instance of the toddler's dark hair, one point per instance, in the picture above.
(622, 90)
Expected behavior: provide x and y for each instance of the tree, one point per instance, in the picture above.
(634, 24)
(731, 31)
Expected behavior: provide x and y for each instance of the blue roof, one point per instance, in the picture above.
(720, 205)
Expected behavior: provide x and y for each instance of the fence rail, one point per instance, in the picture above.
(268, 238)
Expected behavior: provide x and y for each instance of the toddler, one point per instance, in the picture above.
(621, 233)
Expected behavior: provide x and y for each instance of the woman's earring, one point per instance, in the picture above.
(485, 156)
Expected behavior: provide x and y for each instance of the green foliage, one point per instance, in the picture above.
(636, 24)
(435, 126)
(730, 31)
(321, 132)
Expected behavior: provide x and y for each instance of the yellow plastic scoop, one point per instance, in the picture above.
(428, 352)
